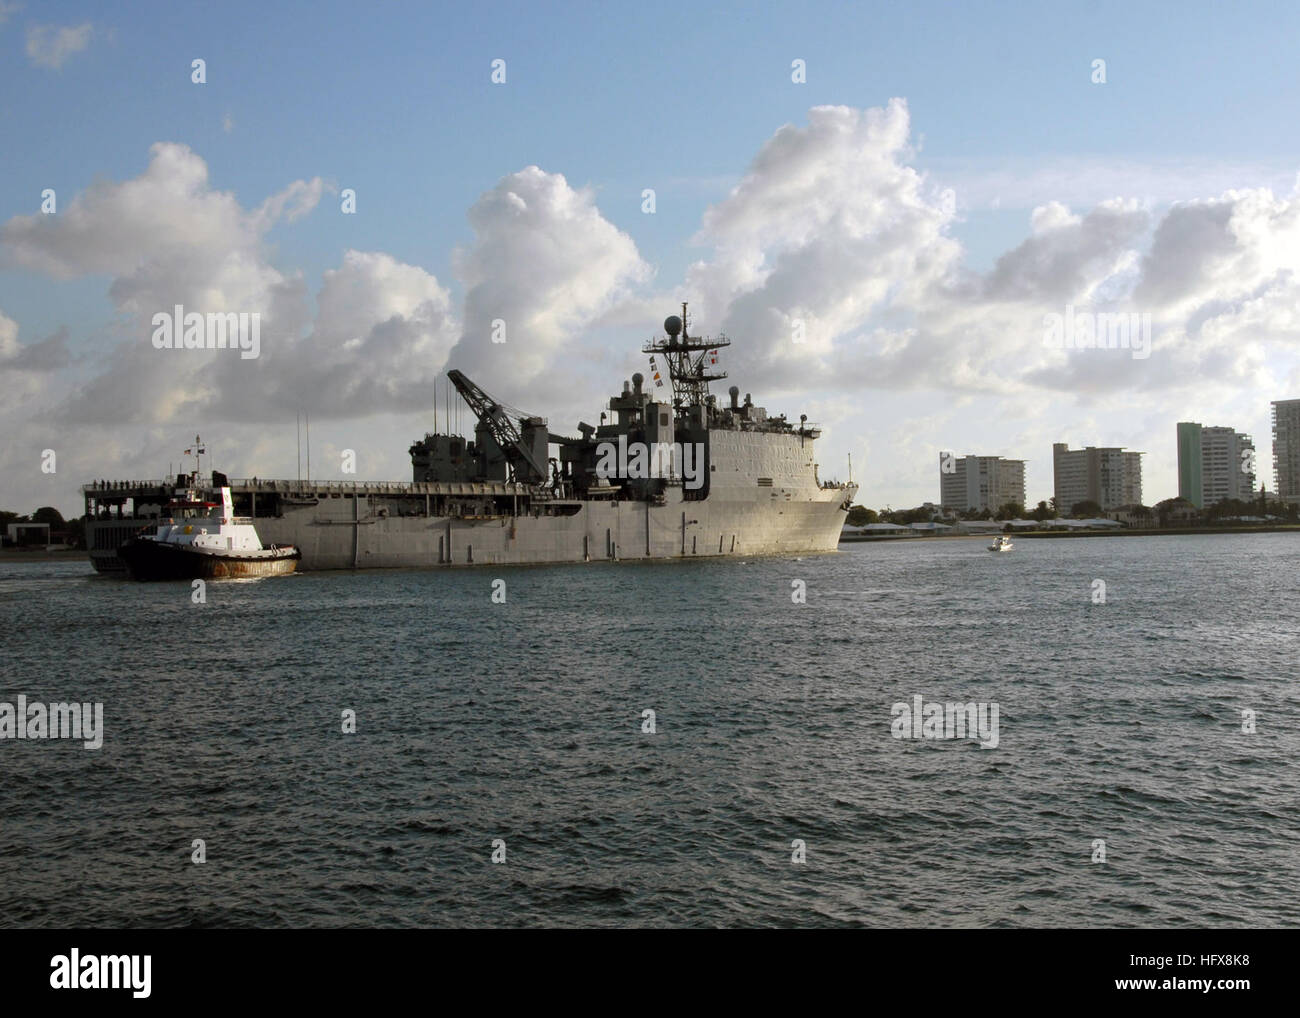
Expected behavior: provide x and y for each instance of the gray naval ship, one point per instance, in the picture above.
(656, 479)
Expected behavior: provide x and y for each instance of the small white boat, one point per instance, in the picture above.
(1001, 544)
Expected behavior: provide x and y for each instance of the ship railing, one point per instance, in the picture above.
(306, 488)
(121, 486)
(275, 484)
(116, 487)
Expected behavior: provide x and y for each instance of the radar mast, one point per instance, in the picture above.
(690, 360)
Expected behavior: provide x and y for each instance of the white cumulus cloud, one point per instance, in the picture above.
(545, 263)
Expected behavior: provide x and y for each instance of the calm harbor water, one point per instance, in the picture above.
(522, 721)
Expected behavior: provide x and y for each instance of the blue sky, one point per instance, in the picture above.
(395, 101)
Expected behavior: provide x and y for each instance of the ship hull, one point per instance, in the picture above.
(596, 532)
(155, 560)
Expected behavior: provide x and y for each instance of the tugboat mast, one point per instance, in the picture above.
(198, 451)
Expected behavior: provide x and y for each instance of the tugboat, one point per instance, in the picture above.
(200, 538)
(1001, 544)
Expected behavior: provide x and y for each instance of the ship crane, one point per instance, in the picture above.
(511, 429)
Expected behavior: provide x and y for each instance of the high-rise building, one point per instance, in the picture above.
(1286, 449)
(980, 482)
(1214, 464)
(1111, 477)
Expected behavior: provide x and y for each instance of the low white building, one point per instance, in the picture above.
(15, 531)
(978, 527)
(874, 530)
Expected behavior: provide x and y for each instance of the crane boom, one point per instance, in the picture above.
(513, 431)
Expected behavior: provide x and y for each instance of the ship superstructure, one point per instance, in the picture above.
(661, 476)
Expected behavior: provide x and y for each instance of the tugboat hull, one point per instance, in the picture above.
(156, 560)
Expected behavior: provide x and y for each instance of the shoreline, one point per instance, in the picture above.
(41, 555)
(1118, 532)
